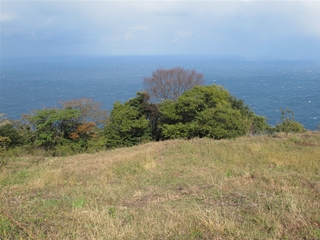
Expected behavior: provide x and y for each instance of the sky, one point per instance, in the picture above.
(284, 30)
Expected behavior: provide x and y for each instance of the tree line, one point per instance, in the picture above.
(175, 104)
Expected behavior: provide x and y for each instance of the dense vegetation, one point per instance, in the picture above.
(187, 110)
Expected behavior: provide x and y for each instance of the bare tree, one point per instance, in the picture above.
(169, 84)
(89, 109)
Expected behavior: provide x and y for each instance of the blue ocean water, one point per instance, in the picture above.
(266, 86)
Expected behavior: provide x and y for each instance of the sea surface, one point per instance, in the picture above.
(266, 86)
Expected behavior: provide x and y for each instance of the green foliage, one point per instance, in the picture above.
(53, 125)
(287, 123)
(178, 130)
(66, 131)
(8, 131)
(63, 131)
(290, 126)
(208, 111)
(128, 124)
(9, 136)
(221, 122)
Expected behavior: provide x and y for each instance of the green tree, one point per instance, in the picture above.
(128, 123)
(149, 110)
(24, 129)
(221, 122)
(73, 125)
(10, 135)
(207, 111)
(53, 125)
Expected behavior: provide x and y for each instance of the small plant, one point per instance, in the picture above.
(79, 202)
(288, 123)
(112, 211)
(317, 233)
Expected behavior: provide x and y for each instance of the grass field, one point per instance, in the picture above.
(249, 188)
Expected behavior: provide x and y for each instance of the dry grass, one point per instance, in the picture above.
(248, 188)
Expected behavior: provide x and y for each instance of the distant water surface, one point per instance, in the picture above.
(28, 84)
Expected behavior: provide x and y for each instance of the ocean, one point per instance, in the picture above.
(266, 86)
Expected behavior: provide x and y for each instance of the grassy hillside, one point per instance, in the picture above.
(249, 188)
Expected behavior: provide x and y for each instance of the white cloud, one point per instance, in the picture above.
(308, 18)
(6, 18)
(139, 27)
(128, 35)
(184, 33)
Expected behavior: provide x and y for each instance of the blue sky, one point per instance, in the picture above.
(284, 30)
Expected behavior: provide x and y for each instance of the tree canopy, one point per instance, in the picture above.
(207, 111)
(203, 111)
(128, 124)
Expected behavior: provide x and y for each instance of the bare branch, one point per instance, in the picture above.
(89, 109)
(169, 84)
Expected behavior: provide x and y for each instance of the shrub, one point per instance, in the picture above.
(288, 124)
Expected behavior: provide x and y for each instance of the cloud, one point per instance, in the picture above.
(155, 27)
(308, 18)
(6, 18)
(185, 33)
(128, 35)
(139, 27)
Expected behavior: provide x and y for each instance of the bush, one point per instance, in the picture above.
(288, 124)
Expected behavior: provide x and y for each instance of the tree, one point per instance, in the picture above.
(149, 110)
(81, 135)
(90, 111)
(83, 131)
(74, 124)
(9, 136)
(128, 124)
(54, 125)
(169, 84)
(207, 111)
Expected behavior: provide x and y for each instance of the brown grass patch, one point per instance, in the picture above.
(248, 188)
